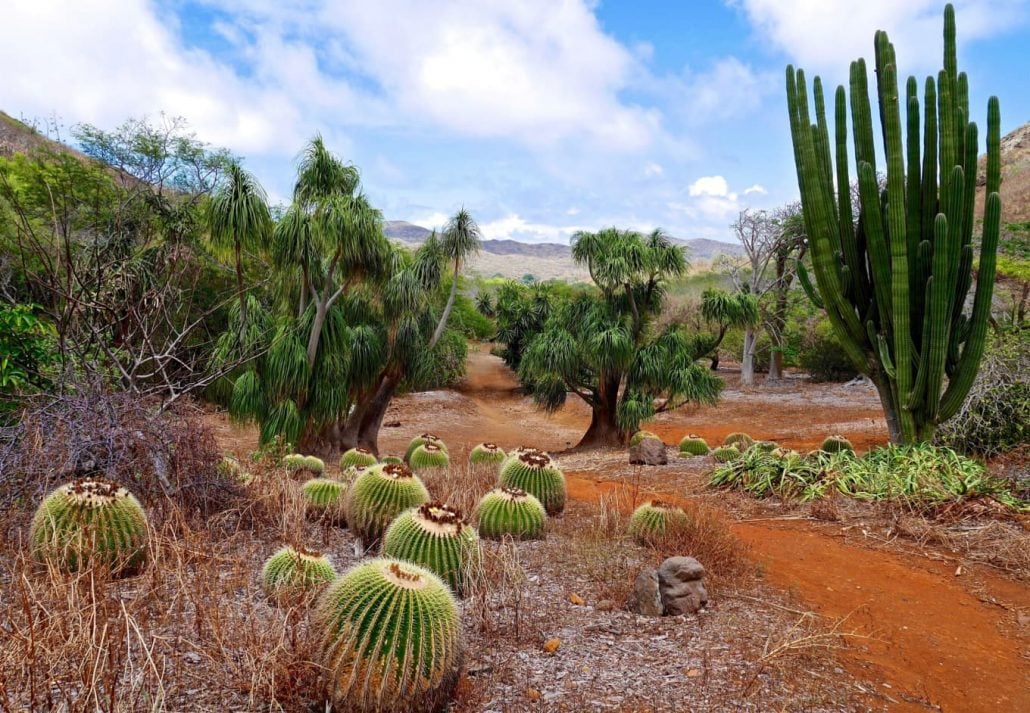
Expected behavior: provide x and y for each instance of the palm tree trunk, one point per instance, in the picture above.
(372, 421)
(446, 310)
(239, 289)
(747, 362)
(316, 332)
(603, 429)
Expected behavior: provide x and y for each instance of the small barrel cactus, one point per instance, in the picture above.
(837, 444)
(765, 446)
(299, 464)
(640, 436)
(230, 467)
(390, 639)
(724, 454)
(694, 445)
(652, 520)
(486, 453)
(391, 459)
(738, 439)
(435, 536)
(325, 500)
(513, 512)
(91, 521)
(291, 572)
(421, 440)
(429, 455)
(534, 471)
(379, 495)
(357, 456)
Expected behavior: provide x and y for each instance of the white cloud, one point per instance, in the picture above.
(653, 169)
(514, 227)
(711, 199)
(825, 36)
(715, 186)
(727, 89)
(757, 188)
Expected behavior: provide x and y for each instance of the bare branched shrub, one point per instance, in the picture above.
(461, 485)
(90, 431)
(705, 536)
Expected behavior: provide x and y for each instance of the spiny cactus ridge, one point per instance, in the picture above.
(652, 520)
(429, 455)
(435, 536)
(640, 436)
(836, 444)
(325, 500)
(357, 456)
(534, 471)
(90, 521)
(487, 453)
(390, 638)
(725, 454)
(420, 440)
(512, 512)
(379, 495)
(694, 445)
(738, 439)
(290, 572)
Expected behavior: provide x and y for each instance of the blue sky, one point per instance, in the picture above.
(541, 116)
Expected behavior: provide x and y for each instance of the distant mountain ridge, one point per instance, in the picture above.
(698, 248)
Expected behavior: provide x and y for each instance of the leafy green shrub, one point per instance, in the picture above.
(694, 445)
(510, 512)
(429, 455)
(442, 366)
(290, 572)
(380, 494)
(469, 321)
(357, 456)
(822, 356)
(87, 522)
(534, 471)
(390, 639)
(650, 521)
(996, 416)
(487, 453)
(26, 353)
(435, 536)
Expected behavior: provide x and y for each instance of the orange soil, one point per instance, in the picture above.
(935, 644)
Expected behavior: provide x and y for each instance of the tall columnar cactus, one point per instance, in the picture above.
(486, 453)
(534, 471)
(694, 445)
(652, 520)
(379, 495)
(429, 455)
(893, 277)
(640, 436)
(435, 536)
(87, 522)
(325, 500)
(512, 512)
(422, 439)
(357, 456)
(390, 638)
(290, 572)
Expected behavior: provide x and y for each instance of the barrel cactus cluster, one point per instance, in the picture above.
(291, 572)
(535, 472)
(296, 463)
(429, 455)
(653, 520)
(894, 272)
(693, 445)
(724, 454)
(741, 441)
(357, 456)
(325, 499)
(91, 522)
(379, 495)
(421, 440)
(836, 444)
(510, 512)
(486, 453)
(435, 536)
(389, 638)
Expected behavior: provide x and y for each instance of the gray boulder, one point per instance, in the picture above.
(645, 598)
(649, 451)
(681, 586)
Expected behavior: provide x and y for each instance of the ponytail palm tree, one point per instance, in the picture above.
(725, 310)
(238, 218)
(461, 240)
(605, 348)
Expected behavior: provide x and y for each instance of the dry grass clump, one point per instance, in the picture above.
(705, 535)
(461, 486)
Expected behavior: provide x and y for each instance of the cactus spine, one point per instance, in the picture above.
(512, 512)
(486, 453)
(390, 638)
(724, 454)
(391, 459)
(893, 279)
(435, 536)
(740, 440)
(429, 455)
(836, 444)
(291, 572)
(325, 500)
(652, 520)
(422, 440)
(357, 456)
(694, 445)
(379, 495)
(87, 522)
(534, 471)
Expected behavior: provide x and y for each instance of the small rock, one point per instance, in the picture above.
(605, 605)
(532, 694)
(649, 451)
(191, 657)
(645, 598)
(681, 586)
(551, 645)
(576, 599)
